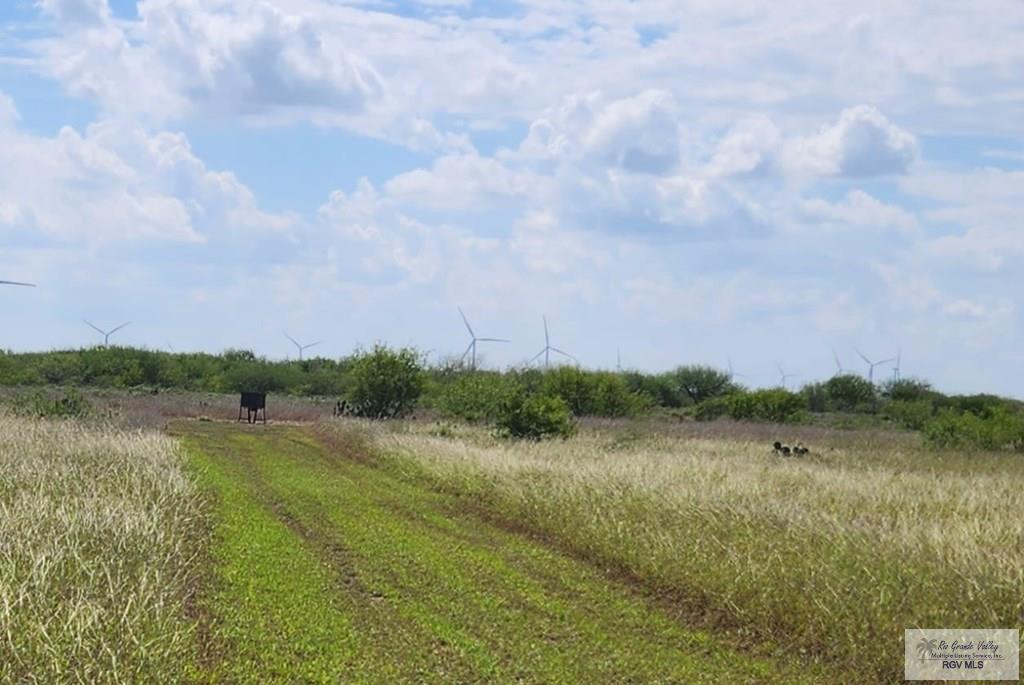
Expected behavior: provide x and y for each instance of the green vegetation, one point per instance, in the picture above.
(99, 536)
(328, 566)
(384, 383)
(822, 555)
(534, 417)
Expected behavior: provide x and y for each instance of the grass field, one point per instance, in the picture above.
(100, 536)
(326, 568)
(414, 553)
(829, 556)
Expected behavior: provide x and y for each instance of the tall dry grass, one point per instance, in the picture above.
(98, 553)
(831, 556)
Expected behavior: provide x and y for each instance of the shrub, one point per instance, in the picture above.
(913, 414)
(476, 396)
(700, 383)
(847, 392)
(908, 390)
(816, 397)
(712, 409)
(1000, 430)
(612, 397)
(776, 405)
(534, 417)
(658, 388)
(259, 376)
(385, 383)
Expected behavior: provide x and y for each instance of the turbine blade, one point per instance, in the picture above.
(95, 328)
(547, 340)
(466, 321)
(312, 344)
(294, 341)
(27, 285)
(861, 355)
(119, 328)
(493, 340)
(463, 358)
(564, 354)
(537, 356)
(885, 361)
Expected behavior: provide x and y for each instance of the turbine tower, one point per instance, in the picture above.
(872, 365)
(302, 348)
(106, 334)
(548, 349)
(783, 376)
(896, 372)
(27, 285)
(471, 350)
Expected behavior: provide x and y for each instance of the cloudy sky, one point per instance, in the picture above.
(684, 181)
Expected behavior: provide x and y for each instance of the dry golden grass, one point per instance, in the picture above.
(97, 554)
(834, 554)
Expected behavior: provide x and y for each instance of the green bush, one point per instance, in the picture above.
(712, 409)
(848, 392)
(385, 383)
(999, 430)
(592, 393)
(908, 390)
(534, 417)
(777, 405)
(912, 414)
(259, 376)
(476, 396)
(700, 383)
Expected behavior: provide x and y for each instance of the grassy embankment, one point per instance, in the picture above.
(832, 555)
(326, 568)
(99, 541)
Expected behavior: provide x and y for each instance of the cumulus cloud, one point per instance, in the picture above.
(862, 143)
(857, 211)
(464, 181)
(185, 56)
(117, 182)
(637, 134)
(750, 148)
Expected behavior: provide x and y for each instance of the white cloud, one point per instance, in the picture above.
(751, 147)
(857, 211)
(981, 247)
(862, 143)
(118, 182)
(461, 182)
(186, 57)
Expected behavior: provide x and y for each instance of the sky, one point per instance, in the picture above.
(695, 181)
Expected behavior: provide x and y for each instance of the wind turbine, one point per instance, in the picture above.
(896, 369)
(783, 375)
(548, 349)
(471, 350)
(302, 348)
(839, 367)
(106, 334)
(872, 365)
(27, 285)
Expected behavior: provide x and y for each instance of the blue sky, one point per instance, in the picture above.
(683, 182)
